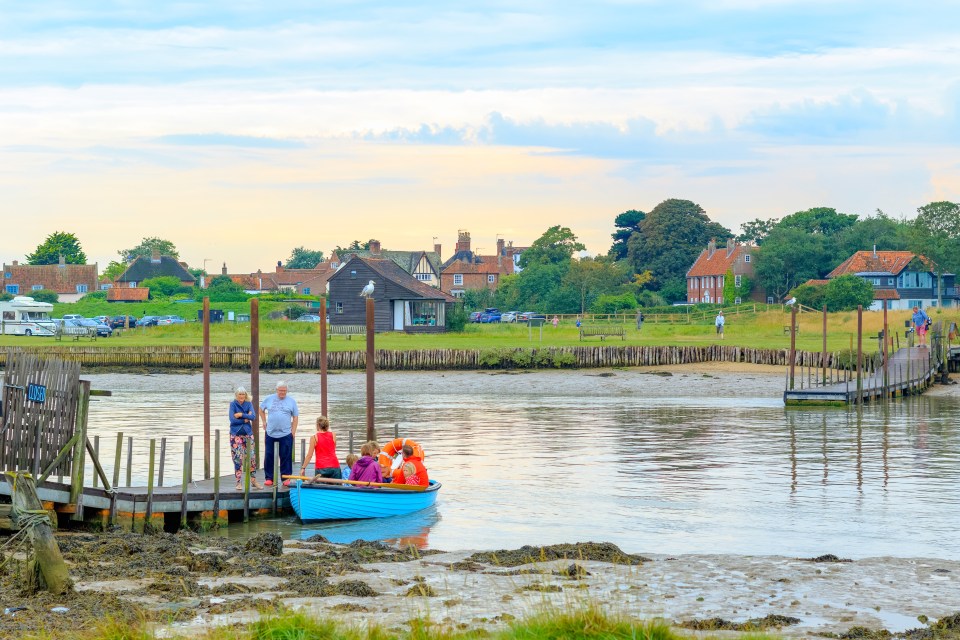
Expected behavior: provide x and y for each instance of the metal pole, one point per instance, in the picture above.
(206, 387)
(323, 356)
(860, 353)
(255, 375)
(371, 328)
(793, 342)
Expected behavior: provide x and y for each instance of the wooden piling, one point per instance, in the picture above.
(149, 513)
(129, 460)
(47, 570)
(245, 470)
(206, 387)
(323, 356)
(163, 456)
(190, 476)
(216, 474)
(371, 329)
(255, 375)
(79, 451)
(96, 452)
(186, 484)
(793, 342)
(859, 353)
(118, 456)
(823, 356)
(277, 479)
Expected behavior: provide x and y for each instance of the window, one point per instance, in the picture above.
(875, 281)
(334, 265)
(425, 313)
(746, 257)
(306, 291)
(457, 294)
(458, 279)
(737, 281)
(13, 288)
(133, 285)
(7, 275)
(491, 278)
(339, 308)
(106, 286)
(424, 277)
(889, 282)
(36, 287)
(353, 275)
(81, 288)
(914, 303)
(737, 300)
(9, 315)
(720, 282)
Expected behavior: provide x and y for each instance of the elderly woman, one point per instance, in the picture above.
(241, 436)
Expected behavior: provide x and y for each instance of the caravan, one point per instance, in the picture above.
(24, 316)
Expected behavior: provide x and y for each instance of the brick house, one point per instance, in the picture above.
(128, 294)
(422, 265)
(155, 266)
(705, 279)
(468, 270)
(900, 279)
(70, 281)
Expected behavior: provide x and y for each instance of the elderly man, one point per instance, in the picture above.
(279, 412)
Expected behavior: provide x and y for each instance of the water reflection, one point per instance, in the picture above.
(685, 464)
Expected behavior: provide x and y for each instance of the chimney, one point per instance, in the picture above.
(500, 245)
(15, 263)
(374, 247)
(224, 270)
(63, 260)
(463, 241)
(279, 266)
(731, 247)
(711, 247)
(436, 249)
(155, 256)
(874, 251)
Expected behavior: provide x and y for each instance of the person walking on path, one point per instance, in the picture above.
(920, 322)
(639, 320)
(280, 414)
(720, 322)
(556, 321)
(324, 446)
(241, 436)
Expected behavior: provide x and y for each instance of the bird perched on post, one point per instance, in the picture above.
(367, 291)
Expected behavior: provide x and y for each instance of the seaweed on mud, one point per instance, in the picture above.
(466, 565)
(268, 544)
(754, 624)
(598, 551)
(827, 557)
(356, 588)
(175, 588)
(350, 607)
(574, 572)
(543, 588)
(947, 627)
(421, 590)
(86, 610)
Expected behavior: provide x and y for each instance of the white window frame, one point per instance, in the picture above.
(737, 300)
(746, 257)
(338, 307)
(491, 279)
(82, 288)
(458, 279)
(424, 277)
(13, 289)
(36, 287)
(306, 291)
(737, 282)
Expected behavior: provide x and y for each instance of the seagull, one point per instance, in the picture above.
(791, 301)
(367, 290)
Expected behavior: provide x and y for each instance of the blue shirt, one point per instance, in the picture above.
(240, 426)
(919, 318)
(280, 413)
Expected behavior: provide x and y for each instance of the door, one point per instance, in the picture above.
(398, 315)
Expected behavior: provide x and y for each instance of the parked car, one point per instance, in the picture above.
(102, 319)
(72, 316)
(488, 316)
(164, 321)
(148, 321)
(309, 317)
(509, 316)
(117, 322)
(71, 327)
(103, 330)
(475, 316)
(530, 315)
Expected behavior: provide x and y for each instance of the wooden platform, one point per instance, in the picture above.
(910, 370)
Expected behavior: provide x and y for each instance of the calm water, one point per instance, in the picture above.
(682, 464)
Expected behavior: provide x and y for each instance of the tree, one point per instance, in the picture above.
(302, 258)
(589, 278)
(880, 231)
(356, 245)
(847, 292)
(821, 220)
(730, 289)
(671, 237)
(790, 257)
(58, 243)
(627, 223)
(810, 295)
(45, 295)
(936, 236)
(147, 247)
(556, 246)
(756, 231)
(162, 285)
(114, 270)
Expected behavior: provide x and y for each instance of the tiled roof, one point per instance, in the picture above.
(144, 268)
(53, 277)
(892, 262)
(718, 262)
(885, 294)
(406, 260)
(470, 262)
(816, 283)
(393, 272)
(128, 294)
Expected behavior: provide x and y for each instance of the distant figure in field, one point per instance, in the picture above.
(323, 444)
(578, 322)
(367, 469)
(346, 470)
(555, 321)
(241, 436)
(920, 322)
(639, 320)
(720, 322)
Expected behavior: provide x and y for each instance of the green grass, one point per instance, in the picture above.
(763, 330)
(580, 624)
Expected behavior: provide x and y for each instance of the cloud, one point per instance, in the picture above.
(228, 140)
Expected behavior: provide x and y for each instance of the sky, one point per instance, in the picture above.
(241, 130)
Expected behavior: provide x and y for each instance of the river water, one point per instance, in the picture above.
(681, 463)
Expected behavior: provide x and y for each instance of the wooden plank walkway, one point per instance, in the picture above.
(910, 370)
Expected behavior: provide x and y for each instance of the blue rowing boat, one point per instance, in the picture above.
(316, 502)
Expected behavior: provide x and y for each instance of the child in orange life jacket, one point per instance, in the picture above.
(418, 470)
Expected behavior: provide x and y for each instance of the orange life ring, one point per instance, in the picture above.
(394, 448)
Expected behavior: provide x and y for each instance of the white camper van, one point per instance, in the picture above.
(24, 316)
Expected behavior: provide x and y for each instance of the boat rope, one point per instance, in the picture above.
(27, 520)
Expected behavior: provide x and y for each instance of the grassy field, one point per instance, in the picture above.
(762, 330)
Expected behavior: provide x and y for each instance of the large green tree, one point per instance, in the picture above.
(846, 292)
(936, 236)
(303, 258)
(791, 256)
(627, 223)
(556, 246)
(589, 278)
(58, 243)
(756, 231)
(147, 247)
(670, 238)
(544, 266)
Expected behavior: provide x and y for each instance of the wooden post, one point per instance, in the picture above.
(351, 441)
(860, 353)
(129, 460)
(48, 569)
(190, 475)
(323, 356)
(277, 478)
(163, 456)
(80, 450)
(886, 351)
(396, 430)
(255, 375)
(303, 450)
(823, 357)
(793, 342)
(206, 387)
(118, 456)
(186, 484)
(216, 475)
(149, 513)
(371, 329)
(246, 483)
(96, 453)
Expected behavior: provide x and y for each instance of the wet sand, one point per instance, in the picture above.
(184, 582)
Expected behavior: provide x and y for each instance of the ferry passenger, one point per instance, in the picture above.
(419, 471)
(280, 414)
(324, 445)
(367, 469)
(346, 470)
(241, 436)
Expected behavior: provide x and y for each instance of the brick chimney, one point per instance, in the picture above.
(15, 263)
(374, 247)
(711, 247)
(500, 245)
(155, 256)
(731, 247)
(279, 266)
(463, 241)
(436, 249)
(63, 261)
(224, 270)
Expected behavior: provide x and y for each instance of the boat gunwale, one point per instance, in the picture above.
(434, 486)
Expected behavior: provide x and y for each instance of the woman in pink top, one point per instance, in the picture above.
(324, 445)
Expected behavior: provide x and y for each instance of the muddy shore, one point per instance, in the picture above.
(184, 582)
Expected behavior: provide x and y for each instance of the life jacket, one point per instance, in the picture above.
(421, 471)
(393, 448)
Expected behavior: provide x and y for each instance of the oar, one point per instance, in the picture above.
(385, 485)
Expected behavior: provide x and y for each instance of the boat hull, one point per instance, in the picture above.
(319, 502)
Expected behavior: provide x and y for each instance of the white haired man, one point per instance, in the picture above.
(280, 414)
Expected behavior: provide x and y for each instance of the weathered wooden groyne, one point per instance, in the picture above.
(574, 357)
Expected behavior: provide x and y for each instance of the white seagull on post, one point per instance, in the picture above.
(367, 290)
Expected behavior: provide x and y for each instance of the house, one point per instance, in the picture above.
(128, 294)
(900, 279)
(468, 270)
(403, 303)
(155, 266)
(70, 281)
(422, 265)
(705, 279)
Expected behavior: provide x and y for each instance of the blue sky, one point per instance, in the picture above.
(240, 130)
